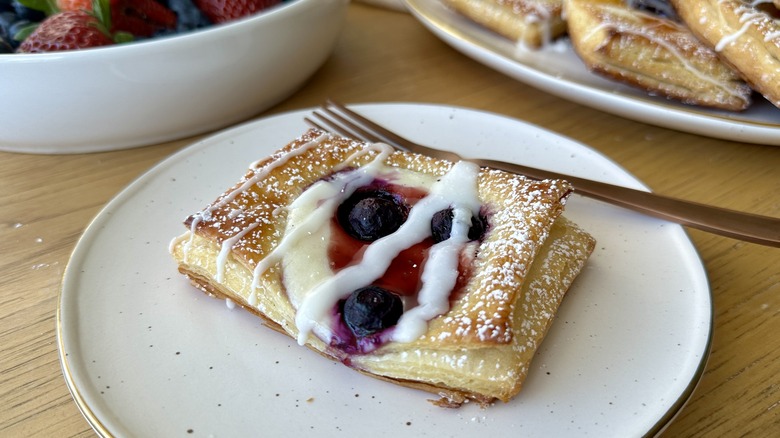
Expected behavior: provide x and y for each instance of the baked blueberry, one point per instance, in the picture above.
(371, 214)
(441, 226)
(371, 309)
(657, 7)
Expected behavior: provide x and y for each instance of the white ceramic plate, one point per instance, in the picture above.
(145, 354)
(557, 70)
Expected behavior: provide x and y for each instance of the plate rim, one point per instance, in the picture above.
(71, 271)
(711, 125)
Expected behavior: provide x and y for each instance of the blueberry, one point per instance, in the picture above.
(371, 309)
(657, 7)
(189, 16)
(371, 214)
(441, 226)
(7, 19)
(25, 13)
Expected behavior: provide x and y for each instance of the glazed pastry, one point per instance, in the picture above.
(635, 44)
(435, 275)
(531, 23)
(744, 33)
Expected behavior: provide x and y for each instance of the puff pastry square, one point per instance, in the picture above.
(531, 23)
(744, 33)
(269, 244)
(652, 52)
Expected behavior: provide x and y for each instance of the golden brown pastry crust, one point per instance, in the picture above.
(746, 36)
(531, 23)
(653, 53)
(481, 348)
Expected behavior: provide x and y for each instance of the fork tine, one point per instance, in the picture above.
(380, 133)
(339, 125)
(730, 223)
(332, 126)
(348, 124)
(316, 125)
(383, 133)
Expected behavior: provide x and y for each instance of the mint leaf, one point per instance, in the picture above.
(25, 31)
(102, 10)
(48, 7)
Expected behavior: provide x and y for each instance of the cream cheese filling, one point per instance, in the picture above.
(315, 289)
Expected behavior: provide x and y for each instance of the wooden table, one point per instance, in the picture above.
(385, 56)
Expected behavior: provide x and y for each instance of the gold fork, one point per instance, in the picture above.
(337, 118)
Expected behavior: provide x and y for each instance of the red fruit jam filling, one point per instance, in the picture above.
(363, 327)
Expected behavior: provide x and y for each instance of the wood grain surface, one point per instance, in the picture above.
(385, 56)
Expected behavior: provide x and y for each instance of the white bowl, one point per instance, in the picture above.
(162, 89)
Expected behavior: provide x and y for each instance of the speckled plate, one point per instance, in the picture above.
(145, 354)
(558, 70)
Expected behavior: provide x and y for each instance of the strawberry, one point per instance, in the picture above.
(141, 18)
(220, 11)
(68, 30)
(74, 5)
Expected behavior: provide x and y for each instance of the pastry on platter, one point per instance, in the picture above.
(646, 48)
(531, 23)
(430, 274)
(744, 33)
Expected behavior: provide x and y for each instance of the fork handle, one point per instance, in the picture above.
(739, 225)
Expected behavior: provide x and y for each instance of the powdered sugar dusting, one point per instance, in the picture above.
(665, 41)
(745, 33)
(522, 210)
(498, 310)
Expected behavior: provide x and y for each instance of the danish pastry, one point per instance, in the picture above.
(652, 51)
(531, 23)
(744, 33)
(429, 274)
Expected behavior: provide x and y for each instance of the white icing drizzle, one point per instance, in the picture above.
(174, 242)
(670, 48)
(746, 19)
(227, 245)
(748, 16)
(441, 270)
(540, 16)
(332, 192)
(235, 213)
(258, 176)
(455, 189)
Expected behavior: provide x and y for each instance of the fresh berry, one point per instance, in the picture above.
(371, 214)
(69, 30)
(34, 11)
(221, 11)
(7, 20)
(17, 21)
(188, 16)
(141, 18)
(441, 226)
(74, 5)
(656, 7)
(371, 309)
